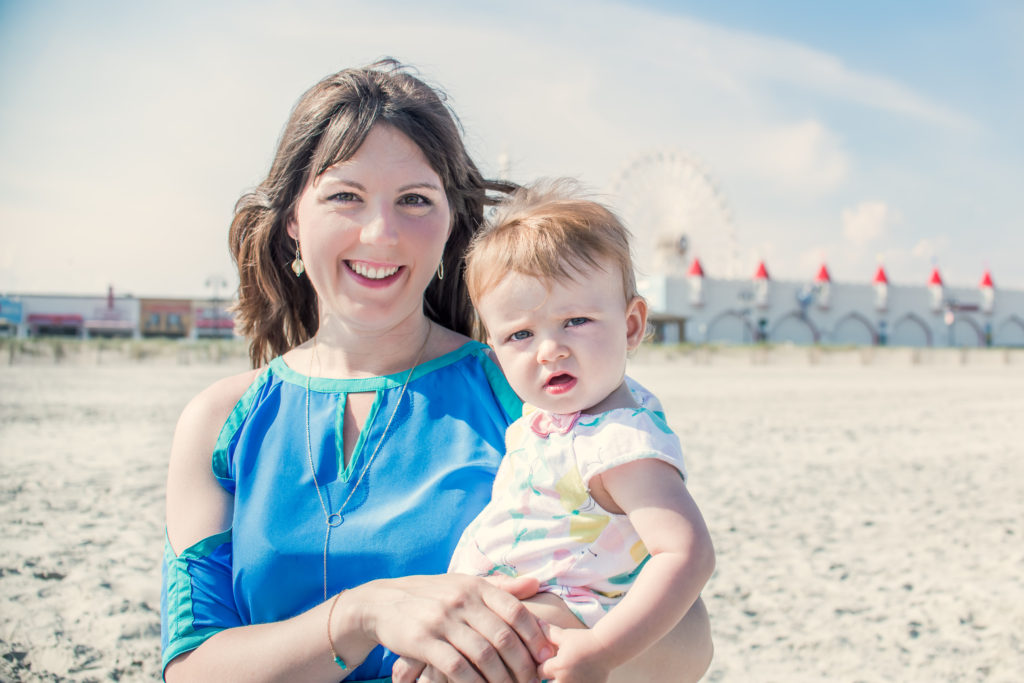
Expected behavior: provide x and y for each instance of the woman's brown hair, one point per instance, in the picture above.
(278, 311)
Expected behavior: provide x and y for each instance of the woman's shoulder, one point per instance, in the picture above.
(474, 359)
(449, 348)
(197, 506)
(220, 398)
(444, 341)
(202, 418)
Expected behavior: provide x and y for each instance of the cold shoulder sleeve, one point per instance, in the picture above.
(196, 599)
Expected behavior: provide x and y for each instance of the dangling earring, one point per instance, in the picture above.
(298, 267)
(440, 269)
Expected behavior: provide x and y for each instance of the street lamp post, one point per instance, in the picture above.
(215, 282)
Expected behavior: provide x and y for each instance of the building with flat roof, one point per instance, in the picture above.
(700, 310)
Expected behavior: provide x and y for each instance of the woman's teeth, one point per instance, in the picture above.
(373, 273)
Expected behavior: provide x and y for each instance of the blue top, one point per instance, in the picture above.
(431, 477)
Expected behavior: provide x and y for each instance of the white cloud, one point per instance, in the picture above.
(803, 156)
(930, 249)
(867, 222)
(764, 58)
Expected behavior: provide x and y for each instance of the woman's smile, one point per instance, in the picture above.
(368, 273)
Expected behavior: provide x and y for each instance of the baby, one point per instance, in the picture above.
(590, 498)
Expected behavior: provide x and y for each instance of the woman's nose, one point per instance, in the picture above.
(379, 229)
(550, 350)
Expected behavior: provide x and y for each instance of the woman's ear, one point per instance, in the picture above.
(636, 322)
(293, 229)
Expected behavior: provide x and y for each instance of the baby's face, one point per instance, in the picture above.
(563, 345)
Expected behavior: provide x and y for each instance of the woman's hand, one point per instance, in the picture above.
(461, 628)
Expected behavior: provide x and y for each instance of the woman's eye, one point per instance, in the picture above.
(520, 335)
(573, 322)
(414, 200)
(344, 197)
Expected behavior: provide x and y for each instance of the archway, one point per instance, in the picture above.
(966, 332)
(794, 328)
(1010, 332)
(854, 328)
(910, 330)
(730, 327)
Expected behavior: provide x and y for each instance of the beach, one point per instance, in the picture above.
(867, 509)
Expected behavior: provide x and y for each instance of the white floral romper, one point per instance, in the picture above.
(541, 520)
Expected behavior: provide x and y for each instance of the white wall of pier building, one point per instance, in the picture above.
(729, 311)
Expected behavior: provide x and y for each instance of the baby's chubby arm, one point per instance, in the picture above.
(667, 519)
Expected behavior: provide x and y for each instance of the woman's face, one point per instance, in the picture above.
(372, 230)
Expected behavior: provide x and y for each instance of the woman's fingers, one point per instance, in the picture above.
(524, 625)
(495, 632)
(486, 658)
(407, 670)
(484, 625)
(463, 627)
(451, 664)
(432, 675)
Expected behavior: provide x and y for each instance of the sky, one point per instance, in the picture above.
(850, 134)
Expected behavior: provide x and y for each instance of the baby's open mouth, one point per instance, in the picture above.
(559, 380)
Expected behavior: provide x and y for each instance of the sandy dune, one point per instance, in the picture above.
(868, 517)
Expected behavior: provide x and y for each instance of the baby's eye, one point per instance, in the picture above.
(573, 322)
(520, 335)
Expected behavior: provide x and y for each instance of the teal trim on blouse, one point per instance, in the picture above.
(510, 402)
(345, 471)
(183, 636)
(365, 384)
(231, 426)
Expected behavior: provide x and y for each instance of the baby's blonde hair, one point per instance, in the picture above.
(548, 230)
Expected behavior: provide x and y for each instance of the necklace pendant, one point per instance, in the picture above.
(334, 519)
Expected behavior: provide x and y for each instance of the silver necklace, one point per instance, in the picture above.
(335, 519)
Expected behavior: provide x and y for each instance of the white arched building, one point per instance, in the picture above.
(701, 310)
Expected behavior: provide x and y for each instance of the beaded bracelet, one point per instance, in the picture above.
(330, 639)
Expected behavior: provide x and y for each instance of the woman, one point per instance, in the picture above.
(343, 472)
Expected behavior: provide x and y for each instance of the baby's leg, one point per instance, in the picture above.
(682, 655)
(553, 610)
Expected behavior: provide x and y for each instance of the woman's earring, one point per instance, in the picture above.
(440, 269)
(298, 267)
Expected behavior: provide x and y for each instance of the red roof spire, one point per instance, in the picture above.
(823, 275)
(880, 278)
(762, 272)
(986, 280)
(695, 269)
(935, 279)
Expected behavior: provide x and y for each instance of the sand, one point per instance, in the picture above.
(868, 518)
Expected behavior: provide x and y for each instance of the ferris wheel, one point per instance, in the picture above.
(676, 213)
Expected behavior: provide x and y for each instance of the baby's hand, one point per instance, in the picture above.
(580, 657)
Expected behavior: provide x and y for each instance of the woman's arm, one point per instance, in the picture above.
(461, 625)
(199, 508)
(666, 518)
